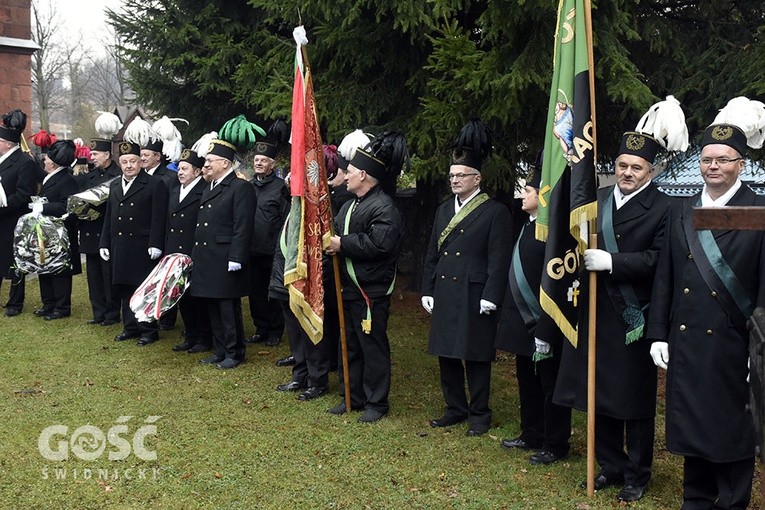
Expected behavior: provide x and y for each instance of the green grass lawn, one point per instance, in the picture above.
(227, 439)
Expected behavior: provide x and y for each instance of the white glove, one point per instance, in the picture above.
(541, 346)
(427, 303)
(154, 253)
(234, 266)
(104, 252)
(660, 354)
(748, 369)
(597, 260)
(487, 307)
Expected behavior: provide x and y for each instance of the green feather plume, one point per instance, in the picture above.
(240, 132)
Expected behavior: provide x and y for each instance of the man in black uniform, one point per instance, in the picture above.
(463, 281)
(18, 177)
(182, 213)
(271, 202)
(632, 219)
(369, 240)
(523, 326)
(221, 252)
(105, 305)
(133, 236)
(707, 284)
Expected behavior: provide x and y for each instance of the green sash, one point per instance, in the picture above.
(366, 324)
(716, 272)
(633, 313)
(471, 206)
(525, 300)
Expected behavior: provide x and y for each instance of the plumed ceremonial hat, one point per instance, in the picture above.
(62, 152)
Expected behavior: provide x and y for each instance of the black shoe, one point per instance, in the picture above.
(341, 409)
(602, 481)
(286, 362)
(370, 416)
(446, 421)
(56, 315)
(125, 336)
(42, 312)
(313, 392)
(519, 443)
(257, 338)
(110, 322)
(290, 386)
(228, 363)
(185, 346)
(630, 493)
(146, 340)
(94, 322)
(200, 348)
(211, 360)
(545, 457)
(477, 430)
(12, 312)
(273, 341)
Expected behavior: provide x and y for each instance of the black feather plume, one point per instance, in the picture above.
(16, 120)
(390, 148)
(474, 136)
(278, 133)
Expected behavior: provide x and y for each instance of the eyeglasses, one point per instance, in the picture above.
(209, 162)
(720, 161)
(460, 176)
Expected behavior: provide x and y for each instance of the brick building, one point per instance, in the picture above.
(16, 48)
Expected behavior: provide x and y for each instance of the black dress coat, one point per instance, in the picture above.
(271, 206)
(90, 231)
(513, 335)
(18, 175)
(625, 376)
(223, 234)
(471, 265)
(169, 177)
(373, 244)
(707, 390)
(182, 218)
(134, 222)
(57, 189)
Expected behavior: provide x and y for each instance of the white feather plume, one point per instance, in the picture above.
(747, 115)
(166, 130)
(202, 145)
(351, 142)
(108, 125)
(139, 131)
(665, 121)
(172, 149)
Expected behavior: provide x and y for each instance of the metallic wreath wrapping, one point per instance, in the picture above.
(82, 204)
(41, 244)
(163, 288)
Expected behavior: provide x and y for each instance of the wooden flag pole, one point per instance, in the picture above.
(592, 329)
(593, 283)
(343, 338)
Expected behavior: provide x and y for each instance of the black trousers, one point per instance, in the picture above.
(196, 320)
(266, 313)
(129, 322)
(368, 354)
(453, 375)
(715, 485)
(611, 436)
(167, 320)
(104, 303)
(17, 292)
(297, 339)
(227, 327)
(544, 425)
(56, 293)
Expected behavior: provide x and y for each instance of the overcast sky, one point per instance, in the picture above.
(85, 17)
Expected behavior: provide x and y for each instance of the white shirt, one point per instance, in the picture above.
(151, 172)
(620, 198)
(458, 205)
(3, 197)
(54, 172)
(185, 189)
(217, 181)
(126, 187)
(7, 154)
(707, 201)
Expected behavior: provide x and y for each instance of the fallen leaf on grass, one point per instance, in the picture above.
(442, 476)
(414, 489)
(494, 438)
(87, 382)
(27, 392)
(582, 506)
(421, 433)
(247, 401)
(217, 475)
(264, 353)
(185, 476)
